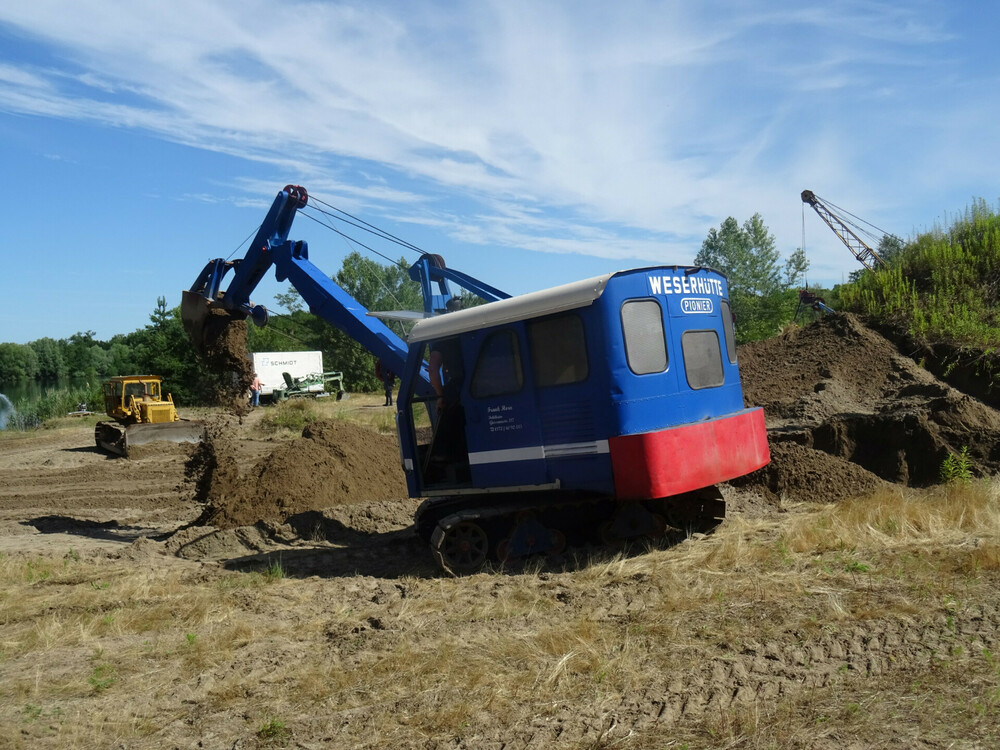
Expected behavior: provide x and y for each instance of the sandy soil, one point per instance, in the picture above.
(846, 414)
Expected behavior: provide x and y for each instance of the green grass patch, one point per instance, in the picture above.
(945, 286)
(291, 415)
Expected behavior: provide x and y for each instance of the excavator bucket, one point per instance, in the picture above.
(204, 322)
(194, 313)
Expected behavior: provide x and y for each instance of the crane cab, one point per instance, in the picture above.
(625, 385)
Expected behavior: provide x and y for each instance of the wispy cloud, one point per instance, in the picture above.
(614, 131)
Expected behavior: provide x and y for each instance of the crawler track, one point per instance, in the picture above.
(465, 533)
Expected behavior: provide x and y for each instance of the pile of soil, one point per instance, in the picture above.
(846, 411)
(334, 463)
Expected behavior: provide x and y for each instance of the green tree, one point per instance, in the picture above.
(890, 247)
(745, 254)
(761, 300)
(51, 364)
(160, 348)
(100, 359)
(121, 359)
(161, 315)
(17, 362)
(379, 287)
(168, 352)
(77, 353)
(795, 268)
(290, 300)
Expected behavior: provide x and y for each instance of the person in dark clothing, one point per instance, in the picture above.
(388, 379)
(447, 375)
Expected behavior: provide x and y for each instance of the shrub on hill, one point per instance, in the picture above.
(945, 285)
(941, 301)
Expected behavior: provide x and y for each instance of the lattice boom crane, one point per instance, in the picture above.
(865, 255)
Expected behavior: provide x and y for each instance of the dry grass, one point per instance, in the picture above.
(943, 515)
(287, 418)
(100, 653)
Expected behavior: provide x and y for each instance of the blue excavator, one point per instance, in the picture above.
(600, 410)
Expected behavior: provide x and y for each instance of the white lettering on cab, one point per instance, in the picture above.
(684, 285)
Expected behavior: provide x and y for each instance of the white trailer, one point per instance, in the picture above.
(269, 367)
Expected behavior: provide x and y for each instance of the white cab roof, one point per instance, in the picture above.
(544, 302)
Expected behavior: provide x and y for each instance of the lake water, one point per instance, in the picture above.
(30, 391)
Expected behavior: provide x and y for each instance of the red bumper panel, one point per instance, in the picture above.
(681, 459)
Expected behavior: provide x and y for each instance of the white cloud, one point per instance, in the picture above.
(565, 120)
(22, 78)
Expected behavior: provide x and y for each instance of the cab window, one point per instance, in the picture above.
(702, 359)
(727, 328)
(558, 350)
(645, 342)
(133, 389)
(498, 367)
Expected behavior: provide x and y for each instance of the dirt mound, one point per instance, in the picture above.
(333, 463)
(837, 392)
(834, 365)
(803, 473)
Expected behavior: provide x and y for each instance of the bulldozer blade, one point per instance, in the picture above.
(184, 431)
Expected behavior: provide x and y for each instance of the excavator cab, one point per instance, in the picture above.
(609, 406)
(585, 387)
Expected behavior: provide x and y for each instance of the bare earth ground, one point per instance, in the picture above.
(266, 590)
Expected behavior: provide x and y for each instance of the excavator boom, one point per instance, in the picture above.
(206, 307)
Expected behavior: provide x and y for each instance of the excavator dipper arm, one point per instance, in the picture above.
(328, 301)
(207, 304)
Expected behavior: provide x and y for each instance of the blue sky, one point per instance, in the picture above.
(530, 143)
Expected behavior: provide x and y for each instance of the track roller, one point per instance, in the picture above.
(630, 521)
(530, 537)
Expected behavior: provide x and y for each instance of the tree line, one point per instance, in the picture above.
(162, 347)
(763, 292)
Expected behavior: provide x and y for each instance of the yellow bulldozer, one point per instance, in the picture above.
(141, 414)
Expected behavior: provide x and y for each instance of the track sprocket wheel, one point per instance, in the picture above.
(461, 547)
(632, 520)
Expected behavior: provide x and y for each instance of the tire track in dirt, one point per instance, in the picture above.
(762, 673)
(710, 678)
(87, 488)
(766, 671)
(57, 491)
